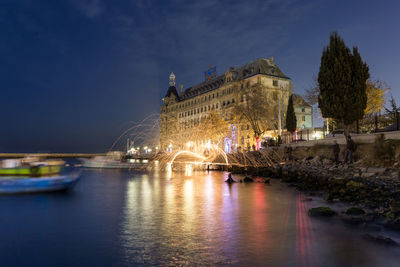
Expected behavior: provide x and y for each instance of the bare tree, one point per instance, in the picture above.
(257, 111)
(312, 92)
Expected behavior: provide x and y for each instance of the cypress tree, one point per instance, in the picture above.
(342, 82)
(291, 120)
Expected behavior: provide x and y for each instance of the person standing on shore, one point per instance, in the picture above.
(336, 150)
(350, 148)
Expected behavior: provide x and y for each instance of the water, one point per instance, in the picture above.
(121, 218)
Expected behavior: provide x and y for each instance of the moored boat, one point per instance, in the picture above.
(112, 160)
(18, 185)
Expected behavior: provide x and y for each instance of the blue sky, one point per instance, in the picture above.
(75, 73)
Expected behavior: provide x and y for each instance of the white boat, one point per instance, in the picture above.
(112, 160)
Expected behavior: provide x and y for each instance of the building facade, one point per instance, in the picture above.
(303, 112)
(182, 111)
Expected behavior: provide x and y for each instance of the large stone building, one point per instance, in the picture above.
(183, 110)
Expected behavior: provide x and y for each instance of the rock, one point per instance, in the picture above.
(367, 174)
(321, 212)
(355, 211)
(248, 179)
(376, 170)
(338, 180)
(317, 159)
(230, 180)
(326, 161)
(354, 184)
(395, 206)
(394, 224)
(387, 241)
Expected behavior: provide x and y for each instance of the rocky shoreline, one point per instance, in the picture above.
(374, 191)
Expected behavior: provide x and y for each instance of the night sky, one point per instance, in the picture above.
(75, 74)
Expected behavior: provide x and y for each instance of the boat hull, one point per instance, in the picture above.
(31, 171)
(17, 185)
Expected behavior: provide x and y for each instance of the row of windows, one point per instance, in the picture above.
(207, 108)
(198, 100)
(212, 96)
(203, 99)
(198, 110)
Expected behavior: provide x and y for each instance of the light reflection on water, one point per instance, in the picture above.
(125, 218)
(200, 220)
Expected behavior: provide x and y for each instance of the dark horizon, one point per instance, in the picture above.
(76, 74)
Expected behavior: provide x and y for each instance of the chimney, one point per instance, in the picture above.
(180, 89)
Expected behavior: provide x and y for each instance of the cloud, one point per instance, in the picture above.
(90, 8)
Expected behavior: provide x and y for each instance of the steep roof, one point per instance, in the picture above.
(298, 100)
(259, 66)
(171, 90)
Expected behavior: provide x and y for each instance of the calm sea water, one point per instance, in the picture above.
(123, 218)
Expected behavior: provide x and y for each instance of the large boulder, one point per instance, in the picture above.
(321, 212)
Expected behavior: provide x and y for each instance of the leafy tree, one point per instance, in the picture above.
(291, 121)
(257, 111)
(342, 82)
(375, 96)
